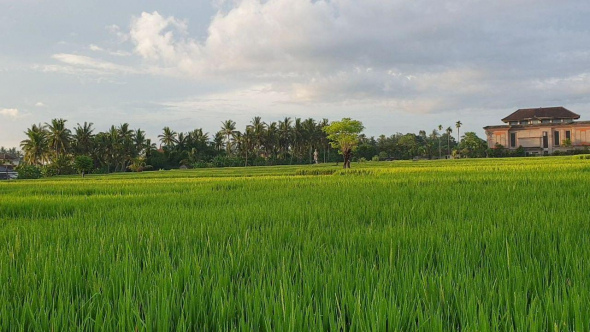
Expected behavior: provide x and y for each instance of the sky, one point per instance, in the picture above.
(396, 65)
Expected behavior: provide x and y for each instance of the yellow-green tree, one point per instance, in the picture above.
(344, 136)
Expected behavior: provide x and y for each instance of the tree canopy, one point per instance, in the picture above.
(344, 136)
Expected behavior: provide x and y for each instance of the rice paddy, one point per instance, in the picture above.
(476, 245)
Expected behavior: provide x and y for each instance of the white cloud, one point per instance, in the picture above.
(94, 65)
(11, 113)
(39, 104)
(96, 48)
(116, 31)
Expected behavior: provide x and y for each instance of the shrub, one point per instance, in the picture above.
(225, 161)
(83, 164)
(375, 158)
(28, 172)
(200, 164)
(49, 171)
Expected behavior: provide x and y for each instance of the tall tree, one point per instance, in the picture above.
(449, 132)
(458, 125)
(36, 146)
(218, 141)
(59, 136)
(248, 142)
(139, 141)
(344, 135)
(258, 129)
(323, 138)
(285, 135)
(310, 136)
(168, 137)
(228, 128)
(83, 138)
(440, 128)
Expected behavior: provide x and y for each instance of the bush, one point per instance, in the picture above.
(28, 172)
(375, 158)
(83, 164)
(200, 164)
(225, 161)
(48, 171)
(383, 155)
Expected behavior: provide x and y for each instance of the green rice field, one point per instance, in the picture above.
(472, 245)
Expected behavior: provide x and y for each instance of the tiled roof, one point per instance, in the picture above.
(541, 113)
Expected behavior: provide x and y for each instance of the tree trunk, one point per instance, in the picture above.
(347, 156)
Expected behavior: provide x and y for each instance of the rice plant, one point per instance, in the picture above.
(476, 245)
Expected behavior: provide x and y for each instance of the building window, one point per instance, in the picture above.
(524, 122)
(514, 123)
(512, 140)
(545, 140)
(546, 121)
(556, 138)
(568, 135)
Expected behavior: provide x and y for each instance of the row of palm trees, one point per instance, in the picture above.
(120, 146)
(54, 143)
(285, 140)
(288, 141)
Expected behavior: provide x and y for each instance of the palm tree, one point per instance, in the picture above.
(218, 141)
(248, 141)
(258, 128)
(285, 135)
(181, 142)
(168, 137)
(83, 138)
(114, 148)
(449, 132)
(128, 149)
(228, 128)
(440, 128)
(458, 125)
(310, 135)
(36, 146)
(59, 136)
(149, 148)
(271, 140)
(298, 139)
(139, 140)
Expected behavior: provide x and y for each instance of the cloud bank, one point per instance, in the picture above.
(420, 56)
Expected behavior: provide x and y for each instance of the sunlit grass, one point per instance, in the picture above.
(444, 245)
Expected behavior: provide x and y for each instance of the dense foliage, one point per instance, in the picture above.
(54, 147)
(470, 245)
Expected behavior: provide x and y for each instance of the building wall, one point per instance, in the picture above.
(531, 137)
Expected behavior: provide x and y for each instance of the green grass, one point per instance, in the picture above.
(476, 245)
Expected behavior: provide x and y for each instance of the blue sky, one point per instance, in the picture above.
(399, 66)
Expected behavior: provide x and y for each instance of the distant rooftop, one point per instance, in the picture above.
(541, 113)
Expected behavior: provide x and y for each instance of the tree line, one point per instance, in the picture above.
(53, 147)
